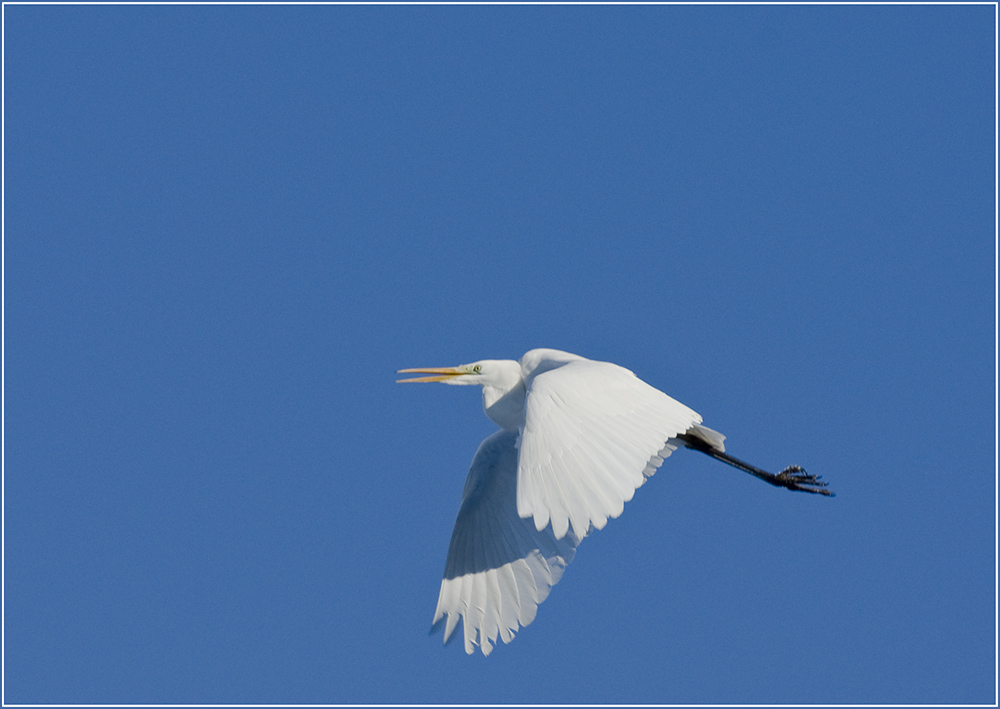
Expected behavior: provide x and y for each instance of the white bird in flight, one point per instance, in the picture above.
(577, 438)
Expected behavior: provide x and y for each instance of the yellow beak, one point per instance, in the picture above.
(443, 374)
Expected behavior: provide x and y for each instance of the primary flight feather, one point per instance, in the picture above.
(577, 438)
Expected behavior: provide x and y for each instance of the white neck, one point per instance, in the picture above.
(503, 398)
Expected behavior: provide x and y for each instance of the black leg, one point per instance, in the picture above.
(793, 477)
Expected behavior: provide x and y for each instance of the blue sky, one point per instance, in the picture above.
(226, 227)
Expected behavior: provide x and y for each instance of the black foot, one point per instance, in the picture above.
(795, 478)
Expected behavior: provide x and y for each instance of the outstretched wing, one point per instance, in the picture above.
(593, 433)
(500, 567)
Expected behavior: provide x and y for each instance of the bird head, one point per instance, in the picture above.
(486, 372)
(501, 380)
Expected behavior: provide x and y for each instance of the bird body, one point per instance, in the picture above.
(577, 438)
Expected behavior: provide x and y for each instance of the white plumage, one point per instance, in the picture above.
(592, 433)
(499, 566)
(579, 437)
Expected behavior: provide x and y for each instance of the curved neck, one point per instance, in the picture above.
(503, 399)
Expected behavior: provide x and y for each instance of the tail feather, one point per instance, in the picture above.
(713, 438)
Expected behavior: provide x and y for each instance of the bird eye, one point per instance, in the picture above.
(477, 369)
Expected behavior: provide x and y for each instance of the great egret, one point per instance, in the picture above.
(577, 438)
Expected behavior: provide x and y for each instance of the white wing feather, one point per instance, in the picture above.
(593, 433)
(500, 566)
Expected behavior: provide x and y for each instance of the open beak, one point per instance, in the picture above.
(443, 374)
